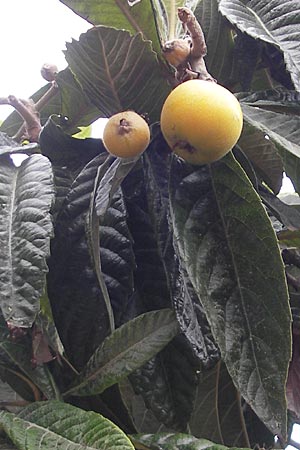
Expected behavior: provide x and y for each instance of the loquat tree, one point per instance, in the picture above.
(150, 281)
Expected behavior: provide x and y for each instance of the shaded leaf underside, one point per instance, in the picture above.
(26, 194)
(275, 21)
(118, 71)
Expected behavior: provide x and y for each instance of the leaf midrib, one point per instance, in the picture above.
(10, 234)
(111, 362)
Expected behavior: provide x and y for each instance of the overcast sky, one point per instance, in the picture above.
(33, 32)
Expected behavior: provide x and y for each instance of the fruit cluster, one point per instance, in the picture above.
(200, 120)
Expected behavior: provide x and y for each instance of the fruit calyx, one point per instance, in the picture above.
(183, 145)
(124, 127)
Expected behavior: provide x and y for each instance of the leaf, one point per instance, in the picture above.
(142, 416)
(110, 183)
(228, 245)
(245, 53)
(171, 441)
(117, 258)
(16, 356)
(133, 16)
(68, 156)
(218, 37)
(75, 106)
(293, 394)
(48, 425)
(276, 100)
(288, 215)
(167, 383)
(276, 22)
(184, 300)
(79, 309)
(6, 444)
(46, 323)
(262, 153)
(289, 238)
(9, 146)
(283, 131)
(26, 194)
(218, 413)
(125, 350)
(273, 59)
(66, 152)
(118, 72)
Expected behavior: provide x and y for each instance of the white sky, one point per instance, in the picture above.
(32, 32)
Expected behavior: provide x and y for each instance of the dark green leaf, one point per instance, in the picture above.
(288, 215)
(26, 194)
(275, 22)
(9, 146)
(219, 40)
(289, 238)
(273, 59)
(65, 152)
(277, 100)
(228, 245)
(78, 306)
(189, 313)
(246, 52)
(170, 397)
(142, 415)
(118, 72)
(263, 155)
(218, 412)
(125, 350)
(170, 441)
(49, 425)
(131, 16)
(118, 259)
(110, 183)
(75, 106)
(284, 132)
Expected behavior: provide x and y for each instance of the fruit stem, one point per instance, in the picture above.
(192, 67)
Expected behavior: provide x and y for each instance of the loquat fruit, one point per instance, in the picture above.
(126, 134)
(201, 121)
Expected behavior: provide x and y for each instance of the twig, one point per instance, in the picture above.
(14, 403)
(34, 389)
(29, 111)
(187, 54)
(39, 105)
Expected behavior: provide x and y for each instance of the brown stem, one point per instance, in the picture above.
(190, 23)
(35, 390)
(40, 104)
(26, 111)
(44, 100)
(187, 54)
